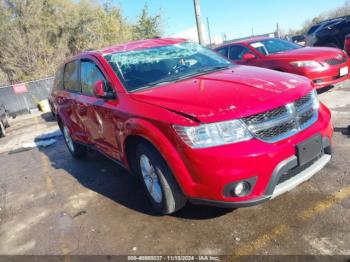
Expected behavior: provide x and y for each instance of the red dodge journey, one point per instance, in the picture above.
(190, 124)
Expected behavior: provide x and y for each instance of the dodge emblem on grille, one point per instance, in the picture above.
(339, 56)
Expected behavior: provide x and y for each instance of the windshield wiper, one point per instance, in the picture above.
(210, 69)
(174, 79)
(158, 83)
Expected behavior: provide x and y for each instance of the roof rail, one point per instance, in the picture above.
(331, 19)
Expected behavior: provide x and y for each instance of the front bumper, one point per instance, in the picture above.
(328, 81)
(274, 189)
(328, 77)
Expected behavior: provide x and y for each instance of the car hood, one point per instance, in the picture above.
(228, 94)
(309, 53)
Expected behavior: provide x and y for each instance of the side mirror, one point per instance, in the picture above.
(248, 57)
(99, 90)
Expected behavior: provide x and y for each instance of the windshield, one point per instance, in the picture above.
(153, 66)
(273, 46)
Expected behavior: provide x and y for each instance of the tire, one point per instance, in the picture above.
(166, 196)
(6, 122)
(77, 150)
(2, 130)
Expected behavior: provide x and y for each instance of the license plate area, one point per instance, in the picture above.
(309, 150)
(343, 71)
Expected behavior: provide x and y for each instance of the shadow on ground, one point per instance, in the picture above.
(48, 117)
(107, 178)
(343, 130)
(325, 89)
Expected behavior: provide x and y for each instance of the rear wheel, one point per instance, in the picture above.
(6, 121)
(77, 150)
(2, 130)
(159, 183)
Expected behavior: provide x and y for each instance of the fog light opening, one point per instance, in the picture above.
(241, 189)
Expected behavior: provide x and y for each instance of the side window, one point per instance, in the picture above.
(70, 78)
(58, 81)
(90, 74)
(237, 52)
(223, 51)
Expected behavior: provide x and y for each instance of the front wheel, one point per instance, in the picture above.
(74, 148)
(159, 183)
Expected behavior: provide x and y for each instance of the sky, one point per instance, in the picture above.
(235, 18)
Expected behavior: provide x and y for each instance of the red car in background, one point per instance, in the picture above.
(190, 124)
(325, 66)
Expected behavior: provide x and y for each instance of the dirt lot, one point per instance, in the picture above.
(52, 204)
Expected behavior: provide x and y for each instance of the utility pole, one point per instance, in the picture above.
(209, 32)
(224, 37)
(197, 11)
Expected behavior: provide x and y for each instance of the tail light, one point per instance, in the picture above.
(347, 44)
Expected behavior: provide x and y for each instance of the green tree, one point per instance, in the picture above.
(37, 35)
(343, 10)
(147, 26)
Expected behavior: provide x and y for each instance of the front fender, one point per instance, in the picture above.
(151, 133)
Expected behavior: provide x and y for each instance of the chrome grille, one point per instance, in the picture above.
(304, 101)
(282, 122)
(272, 132)
(306, 116)
(335, 61)
(275, 113)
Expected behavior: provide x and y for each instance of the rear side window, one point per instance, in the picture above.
(90, 74)
(71, 77)
(223, 51)
(58, 81)
(237, 52)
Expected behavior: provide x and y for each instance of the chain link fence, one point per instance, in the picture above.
(24, 97)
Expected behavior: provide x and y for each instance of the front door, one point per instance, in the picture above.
(100, 113)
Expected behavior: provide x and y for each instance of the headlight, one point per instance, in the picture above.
(215, 134)
(315, 102)
(313, 64)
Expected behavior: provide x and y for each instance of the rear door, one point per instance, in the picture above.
(67, 100)
(100, 116)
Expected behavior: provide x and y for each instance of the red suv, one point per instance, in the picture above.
(190, 124)
(325, 66)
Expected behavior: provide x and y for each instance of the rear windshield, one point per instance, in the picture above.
(149, 67)
(273, 46)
